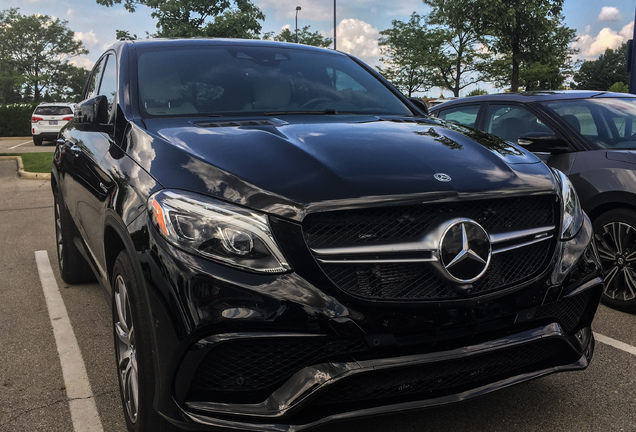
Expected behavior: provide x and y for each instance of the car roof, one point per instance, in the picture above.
(56, 104)
(168, 43)
(526, 97)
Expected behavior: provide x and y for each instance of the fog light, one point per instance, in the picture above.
(583, 337)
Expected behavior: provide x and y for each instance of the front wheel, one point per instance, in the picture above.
(133, 352)
(615, 234)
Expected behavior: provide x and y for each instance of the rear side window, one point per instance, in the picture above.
(465, 115)
(53, 110)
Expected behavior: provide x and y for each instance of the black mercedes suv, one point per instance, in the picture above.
(286, 240)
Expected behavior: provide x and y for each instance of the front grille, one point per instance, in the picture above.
(419, 281)
(248, 369)
(448, 377)
(346, 227)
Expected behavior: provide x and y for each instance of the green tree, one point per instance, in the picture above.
(458, 29)
(524, 33)
(478, 92)
(619, 87)
(200, 18)
(305, 37)
(36, 48)
(602, 73)
(406, 48)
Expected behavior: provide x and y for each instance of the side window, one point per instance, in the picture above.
(511, 121)
(92, 86)
(108, 86)
(465, 115)
(580, 117)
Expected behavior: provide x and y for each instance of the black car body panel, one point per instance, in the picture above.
(363, 315)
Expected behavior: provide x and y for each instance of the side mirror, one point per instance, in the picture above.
(543, 142)
(419, 104)
(91, 115)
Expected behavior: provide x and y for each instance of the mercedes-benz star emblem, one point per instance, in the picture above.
(442, 177)
(465, 251)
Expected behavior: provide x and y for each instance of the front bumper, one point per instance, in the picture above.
(283, 353)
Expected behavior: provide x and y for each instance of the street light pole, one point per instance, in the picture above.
(298, 8)
(334, 25)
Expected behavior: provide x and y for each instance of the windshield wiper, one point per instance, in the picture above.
(328, 111)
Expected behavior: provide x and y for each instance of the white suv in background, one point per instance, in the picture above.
(48, 119)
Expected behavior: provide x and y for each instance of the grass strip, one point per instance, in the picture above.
(34, 162)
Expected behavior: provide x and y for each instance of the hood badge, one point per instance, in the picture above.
(442, 177)
(464, 251)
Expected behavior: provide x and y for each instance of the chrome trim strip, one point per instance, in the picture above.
(520, 245)
(376, 261)
(587, 285)
(515, 235)
(317, 378)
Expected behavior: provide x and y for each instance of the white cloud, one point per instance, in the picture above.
(592, 46)
(70, 12)
(82, 62)
(89, 39)
(360, 39)
(610, 13)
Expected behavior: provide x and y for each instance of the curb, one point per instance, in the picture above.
(24, 174)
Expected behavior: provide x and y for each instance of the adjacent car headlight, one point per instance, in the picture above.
(572, 212)
(217, 230)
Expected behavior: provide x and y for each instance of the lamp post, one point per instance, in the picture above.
(334, 25)
(298, 8)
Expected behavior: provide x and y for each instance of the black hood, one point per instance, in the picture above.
(298, 165)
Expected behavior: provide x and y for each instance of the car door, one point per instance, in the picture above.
(88, 188)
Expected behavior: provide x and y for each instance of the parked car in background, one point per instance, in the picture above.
(590, 136)
(48, 119)
(288, 241)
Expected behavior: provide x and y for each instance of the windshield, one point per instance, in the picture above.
(606, 123)
(247, 80)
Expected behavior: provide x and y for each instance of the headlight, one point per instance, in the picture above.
(572, 213)
(217, 230)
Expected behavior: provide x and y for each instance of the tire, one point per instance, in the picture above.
(615, 234)
(73, 267)
(37, 141)
(133, 350)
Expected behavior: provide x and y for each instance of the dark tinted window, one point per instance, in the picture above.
(604, 122)
(53, 110)
(464, 115)
(511, 121)
(220, 80)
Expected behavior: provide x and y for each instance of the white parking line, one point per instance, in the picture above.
(78, 389)
(21, 144)
(615, 343)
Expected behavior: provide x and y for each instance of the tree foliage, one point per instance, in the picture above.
(305, 37)
(602, 73)
(200, 18)
(528, 34)
(34, 54)
(406, 47)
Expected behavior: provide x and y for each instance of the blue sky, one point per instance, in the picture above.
(599, 24)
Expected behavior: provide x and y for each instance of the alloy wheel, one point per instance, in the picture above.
(617, 248)
(125, 347)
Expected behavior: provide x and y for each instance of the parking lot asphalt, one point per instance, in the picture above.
(34, 397)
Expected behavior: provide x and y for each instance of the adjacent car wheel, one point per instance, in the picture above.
(615, 233)
(37, 141)
(73, 266)
(135, 369)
